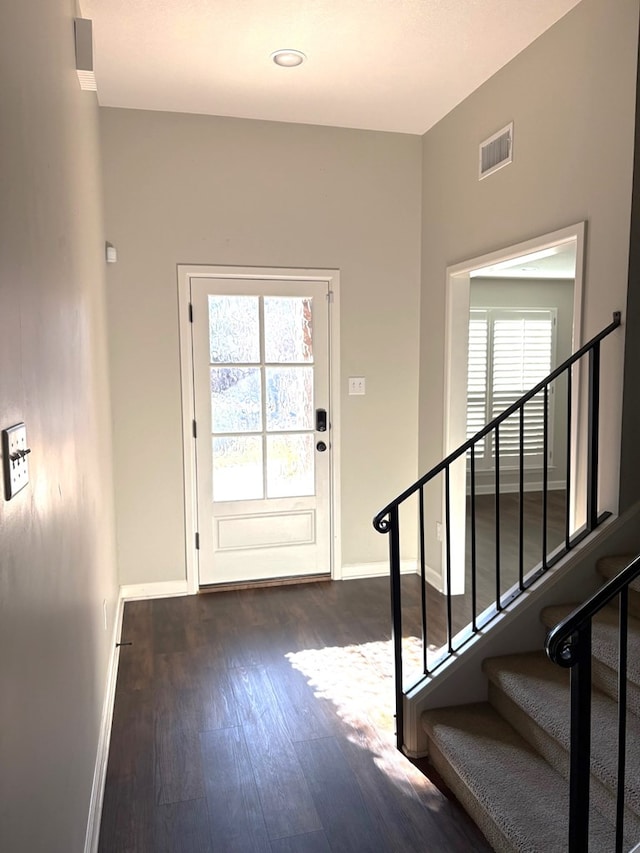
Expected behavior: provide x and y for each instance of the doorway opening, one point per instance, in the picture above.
(259, 365)
(510, 315)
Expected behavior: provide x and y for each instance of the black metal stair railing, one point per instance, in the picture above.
(569, 645)
(388, 519)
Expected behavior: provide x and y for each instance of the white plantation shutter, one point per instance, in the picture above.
(519, 353)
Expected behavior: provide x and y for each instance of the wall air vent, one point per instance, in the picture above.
(84, 54)
(496, 151)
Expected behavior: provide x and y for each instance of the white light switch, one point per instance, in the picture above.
(14, 459)
(356, 385)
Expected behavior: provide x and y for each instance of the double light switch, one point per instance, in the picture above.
(14, 459)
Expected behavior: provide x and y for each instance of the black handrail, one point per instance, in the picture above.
(460, 451)
(569, 645)
(388, 519)
(559, 643)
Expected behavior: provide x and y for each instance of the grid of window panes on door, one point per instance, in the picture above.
(262, 396)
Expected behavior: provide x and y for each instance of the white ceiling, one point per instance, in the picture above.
(560, 263)
(395, 65)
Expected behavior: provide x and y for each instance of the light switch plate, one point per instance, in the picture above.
(14, 459)
(357, 385)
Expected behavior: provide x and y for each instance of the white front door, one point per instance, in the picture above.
(263, 449)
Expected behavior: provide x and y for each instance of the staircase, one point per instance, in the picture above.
(507, 759)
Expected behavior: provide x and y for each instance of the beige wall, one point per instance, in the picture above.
(571, 96)
(57, 554)
(195, 189)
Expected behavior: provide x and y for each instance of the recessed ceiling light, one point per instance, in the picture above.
(288, 58)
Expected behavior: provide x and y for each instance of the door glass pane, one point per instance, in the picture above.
(237, 468)
(234, 329)
(289, 398)
(288, 329)
(236, 399)
(290, 466)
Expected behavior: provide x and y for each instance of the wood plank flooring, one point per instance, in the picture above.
(260, 721)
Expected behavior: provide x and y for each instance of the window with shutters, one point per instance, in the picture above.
(510, 351)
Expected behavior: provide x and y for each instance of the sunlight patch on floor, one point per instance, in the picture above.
(358, 681)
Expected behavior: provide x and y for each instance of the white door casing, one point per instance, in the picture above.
(270, 517)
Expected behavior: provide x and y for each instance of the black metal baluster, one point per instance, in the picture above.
(567, 505)
(521, 505)
(389, 516)
(423, 577)
(592, 442)
(396, 619)
(497, 505)
(447, 512)
(622, 716)
(580, 767)
(474, 579)
(545, 475)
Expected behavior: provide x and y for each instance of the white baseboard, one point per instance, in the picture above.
(376, 570)
(159, 589)
(434, 578)
(100, 770)
(131, 591)
(507, 488)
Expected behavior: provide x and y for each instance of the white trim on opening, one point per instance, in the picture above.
(455, 386)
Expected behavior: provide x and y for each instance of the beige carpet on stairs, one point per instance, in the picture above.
(518, 801)
(533, 696)
(604, 642)
(507, 760)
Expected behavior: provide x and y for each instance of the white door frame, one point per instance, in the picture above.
(455, 379)
(185, 273)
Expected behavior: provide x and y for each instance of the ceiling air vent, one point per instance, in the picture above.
(496, 151)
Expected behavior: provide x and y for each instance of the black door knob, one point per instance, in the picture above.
(321, 446)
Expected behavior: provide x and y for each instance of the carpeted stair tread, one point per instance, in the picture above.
(605, 652)
(515, 797)
(540, 689)
(609, 567)
(604, 644)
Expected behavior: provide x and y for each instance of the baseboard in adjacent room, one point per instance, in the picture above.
(511, 488)
(434, 578)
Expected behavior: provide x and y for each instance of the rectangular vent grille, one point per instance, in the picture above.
(496, 152)
(84, 54)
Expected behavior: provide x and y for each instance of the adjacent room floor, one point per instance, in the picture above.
(487, 581)
(262, 720)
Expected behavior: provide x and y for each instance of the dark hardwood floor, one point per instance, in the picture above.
(261, 720)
